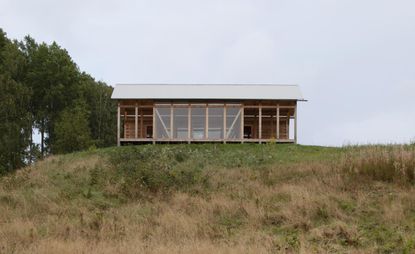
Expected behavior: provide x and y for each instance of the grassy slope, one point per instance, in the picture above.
(207, 199)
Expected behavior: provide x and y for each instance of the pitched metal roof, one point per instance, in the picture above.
(207, 91)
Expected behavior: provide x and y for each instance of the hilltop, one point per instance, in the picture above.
(213, 198)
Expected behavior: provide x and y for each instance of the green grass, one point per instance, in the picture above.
(245, 197)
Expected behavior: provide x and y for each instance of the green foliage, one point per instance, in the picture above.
(387, 238)
(72, 130)
(15, 124)
(163, 168)
(53, 78)
(409, 246)
(151, 169)
(40, 83)
(103, 110)
(57, 84)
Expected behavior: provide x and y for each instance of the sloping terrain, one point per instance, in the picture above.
(213, 198)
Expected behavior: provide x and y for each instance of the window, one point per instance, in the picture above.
(180, 123)
(162, 122)
(172, 122)
(198, 122)
(233, 123)
(215, 128)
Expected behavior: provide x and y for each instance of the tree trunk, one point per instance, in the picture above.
(31, 146)
(42, 138)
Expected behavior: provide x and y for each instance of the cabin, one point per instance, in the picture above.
(189, 113)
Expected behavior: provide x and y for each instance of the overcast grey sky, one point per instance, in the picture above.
(354, 59)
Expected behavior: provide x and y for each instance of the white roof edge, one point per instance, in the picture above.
(208, 91)
(204, 84)
(195, 84)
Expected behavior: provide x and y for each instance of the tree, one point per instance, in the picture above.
(72, 130)
(54, 78)
(15, 118)
(42, 88)
(102, 118)
(15, 126)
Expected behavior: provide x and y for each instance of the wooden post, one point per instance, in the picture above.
(278, 122)
(295, 124)
(118, 124)
(260, 124)
(125, 125)
(154, 125)
(171, 121)
(136, 122)
(272, 123)
(206, 122)
(224, 123)
(142, 124)
(242, 123)
(288, 124)
(189, 123)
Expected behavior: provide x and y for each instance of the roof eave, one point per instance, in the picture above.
(247, 99)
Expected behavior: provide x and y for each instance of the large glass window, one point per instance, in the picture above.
(162, 122)
(180, 123)
(172, 122)
(233, 123)
(215, 128)
(198, 122)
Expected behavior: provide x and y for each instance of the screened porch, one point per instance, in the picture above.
(207, 122)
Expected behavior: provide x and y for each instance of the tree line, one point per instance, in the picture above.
(42, 88)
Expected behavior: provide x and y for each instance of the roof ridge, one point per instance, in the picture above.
(203, 84)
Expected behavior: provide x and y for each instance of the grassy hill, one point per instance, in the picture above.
(209, 198)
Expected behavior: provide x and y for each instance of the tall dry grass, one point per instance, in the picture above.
(68, 204)
(382, 163)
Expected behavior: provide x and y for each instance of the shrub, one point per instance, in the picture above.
(72, 130)
(155, 169)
